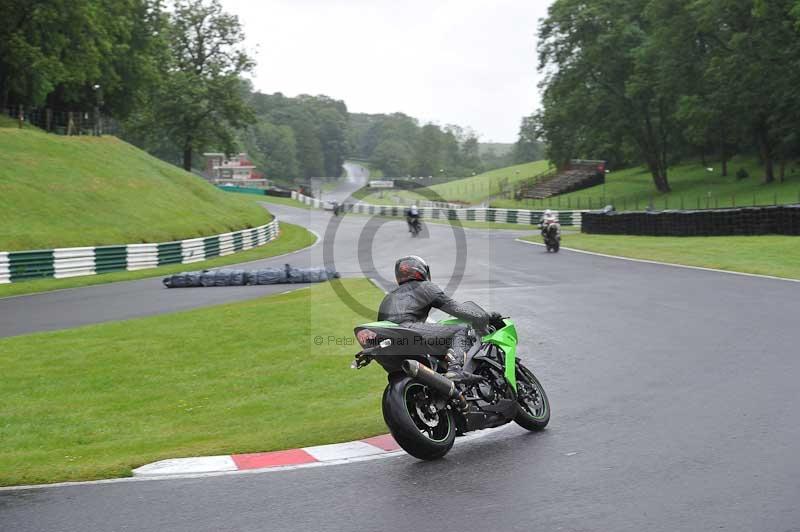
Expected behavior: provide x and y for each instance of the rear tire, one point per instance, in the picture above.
(533, 407)
(421, 434)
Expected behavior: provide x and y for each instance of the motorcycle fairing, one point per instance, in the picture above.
(506, 339)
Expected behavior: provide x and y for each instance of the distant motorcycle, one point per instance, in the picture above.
(551, 232)
(414, 225)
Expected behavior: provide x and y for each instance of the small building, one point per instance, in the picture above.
(237, 170)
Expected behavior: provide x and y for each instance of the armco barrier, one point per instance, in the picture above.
(60, 263)
(472, 214)
(779, 220)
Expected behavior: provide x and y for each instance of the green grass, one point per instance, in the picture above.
(467, 190)
(292, 238)
(58, 191)
(692, 185)
(276, 200)
(97, 401)
(8, 122)
(766, 255)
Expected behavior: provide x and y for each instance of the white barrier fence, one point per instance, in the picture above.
(60, 263)
(477, 214)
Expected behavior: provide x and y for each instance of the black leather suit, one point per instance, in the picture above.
(409, 304)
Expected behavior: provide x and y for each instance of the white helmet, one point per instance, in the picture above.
(548, 213)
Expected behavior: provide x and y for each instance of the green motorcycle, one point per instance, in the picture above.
(425, 410)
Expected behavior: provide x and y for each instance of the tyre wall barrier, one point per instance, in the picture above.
(780, 220)
(16, 266)
(472, 214)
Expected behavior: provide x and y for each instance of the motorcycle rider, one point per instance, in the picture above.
(548, 218)
(412, 217)
(409, 304)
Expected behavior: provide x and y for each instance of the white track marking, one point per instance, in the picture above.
(646, 261)
(201, 464)
(342, 451)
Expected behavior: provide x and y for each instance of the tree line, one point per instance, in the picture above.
(655, 81)
(173, 74)
(399, 146)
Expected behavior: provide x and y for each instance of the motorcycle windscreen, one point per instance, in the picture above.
(473, 307)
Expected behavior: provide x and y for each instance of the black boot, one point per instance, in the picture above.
(455, 368)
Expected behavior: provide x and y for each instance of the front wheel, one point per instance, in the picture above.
(418, 426)
(533, 407)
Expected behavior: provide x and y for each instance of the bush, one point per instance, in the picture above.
(742, 174)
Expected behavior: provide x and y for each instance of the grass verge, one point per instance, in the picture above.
(97, 401)
(292, 238)
(277, 200)
(766, 255)
(58, 191)
(467, 190)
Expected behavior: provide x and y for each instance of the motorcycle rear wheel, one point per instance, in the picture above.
(421, 433)
(533, 407)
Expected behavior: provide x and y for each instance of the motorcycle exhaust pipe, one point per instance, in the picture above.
(430, 378)
(436, 382)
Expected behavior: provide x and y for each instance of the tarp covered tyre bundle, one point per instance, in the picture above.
(310, 275)
(270, 276)
(182, 280)
(263, 276)
(207, 278)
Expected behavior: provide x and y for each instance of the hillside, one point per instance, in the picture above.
(693, 186)
(499, 148)
(84, 191)
(472, 190)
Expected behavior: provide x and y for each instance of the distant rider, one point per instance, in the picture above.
(412, 217)
(549, 217)
(409, 304)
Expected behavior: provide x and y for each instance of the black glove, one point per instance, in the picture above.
(490, 318)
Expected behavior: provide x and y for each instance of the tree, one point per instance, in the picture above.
(273, 149)
(753, 69)
(55, 51)
(470, 153)
(319, 125)
(603, 74)
(393, 157)
(309, 148)
(428, 151)
(528, 148)
(199, 101)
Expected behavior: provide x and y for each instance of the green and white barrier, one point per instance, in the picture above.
(60, 263)
(472, 214)
(5, 274)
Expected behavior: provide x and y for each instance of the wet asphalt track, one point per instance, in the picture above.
(674, 396)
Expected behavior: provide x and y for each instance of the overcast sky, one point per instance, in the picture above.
(467, 62)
